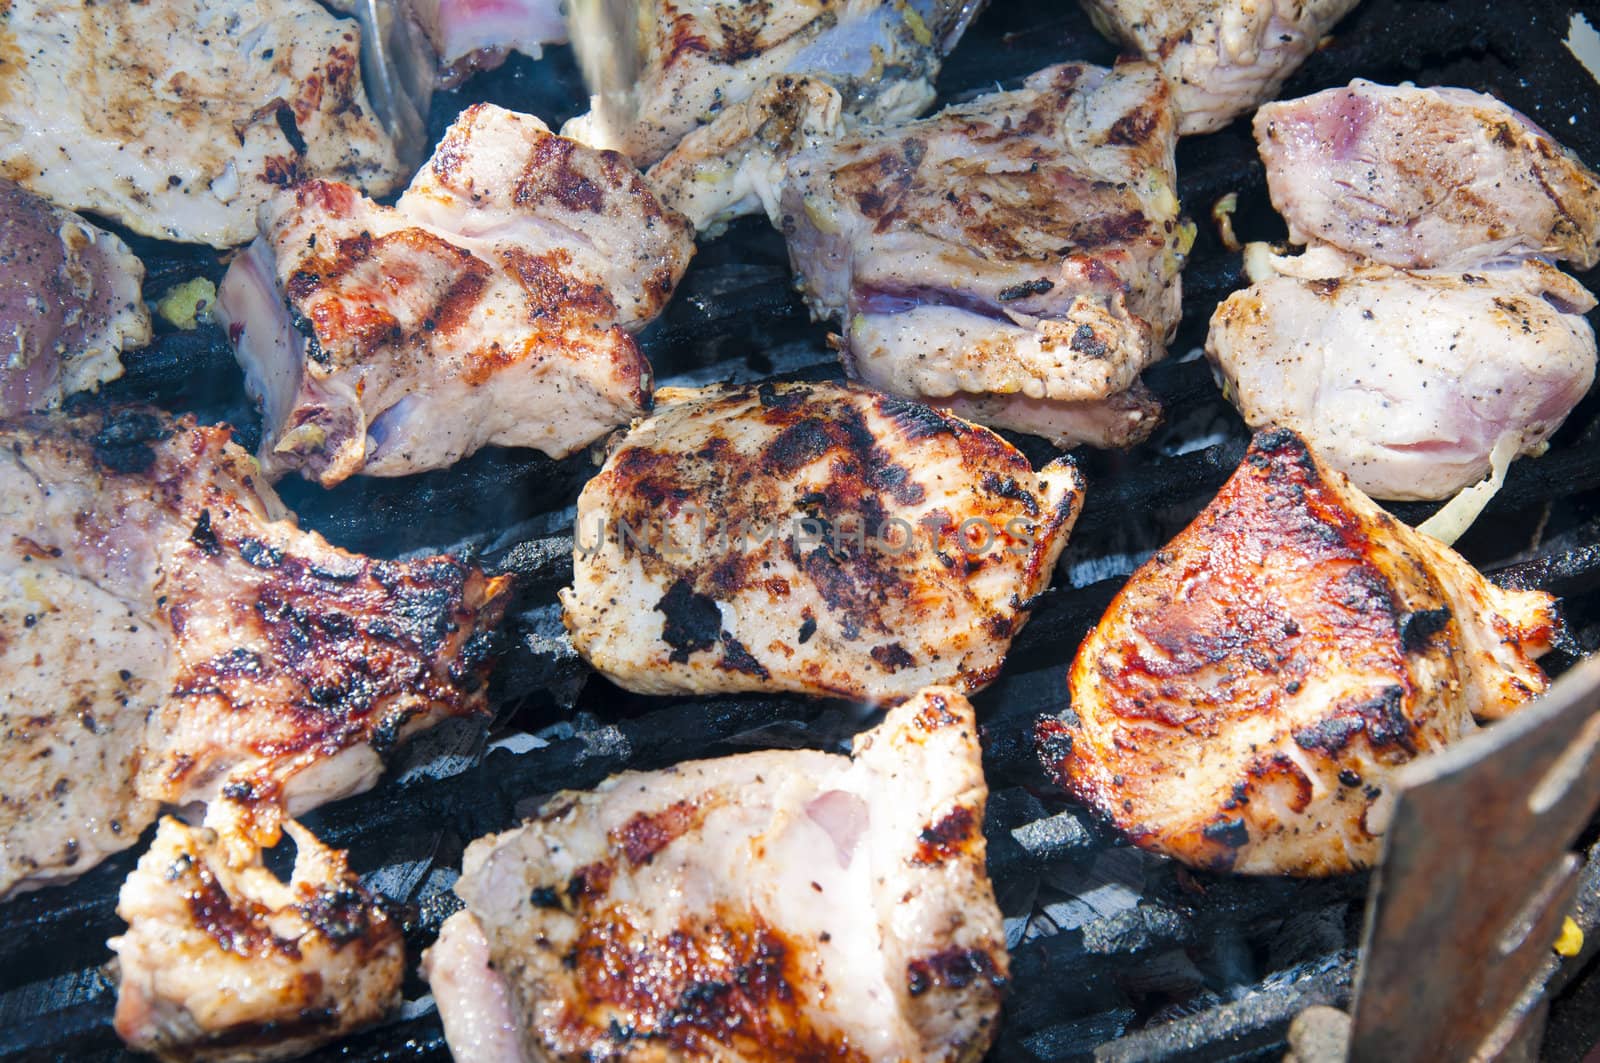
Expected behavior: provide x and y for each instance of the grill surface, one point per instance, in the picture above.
(1106, 941)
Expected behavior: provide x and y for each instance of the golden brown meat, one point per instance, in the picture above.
(493, 304)
(168, 635)
(782, 905)
(1248, 694)
(819, 538)
(227, 964)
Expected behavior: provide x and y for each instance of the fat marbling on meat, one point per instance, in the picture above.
(1223, 57)
(169, 636)
(693, 58)
(1015, 258)
(224, 963)
(817, 538)
(69, 303)
(178, 118)
(773, 905)
(493, 304)
(1247, 697)
(1407, 380)
(1426, 178)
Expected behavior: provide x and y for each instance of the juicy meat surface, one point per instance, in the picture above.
(695, 57)
(1406, 380)
(69, 303)
(169, 636)
(815, 538)
(1426, 178)
(225, 962)
(775, 905)
(1223, 57)
(1246, 698)
(493, 304)
(942, 247)
(178, 118)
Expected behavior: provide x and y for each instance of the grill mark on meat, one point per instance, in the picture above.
(953, 968)
(940, 841)
(647, 833)
(893, 657)
(724, 982)
(552, 288)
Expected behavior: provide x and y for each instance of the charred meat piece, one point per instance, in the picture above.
(168, 635)
(692, 58)
(1246, 697)
(778, 905)
(1406, 381)
(223, 962)
(947, 249)
(494, 304)
(1223, 57)
(69, 303)
(1426, 178)
(816, 538)
(178, 118)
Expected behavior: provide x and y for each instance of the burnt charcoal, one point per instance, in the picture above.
(1137, 929)
(1071, 1042)
(1169, 975)
(1306, 935)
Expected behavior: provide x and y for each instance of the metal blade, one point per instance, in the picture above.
(605, 40)
(398, 69)
(1475, 880)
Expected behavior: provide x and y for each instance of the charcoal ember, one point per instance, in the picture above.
(1053, 980)
(1167, 975)
(1056, 837)
(1069, 1042)
(1307, 935)
(1137, 929)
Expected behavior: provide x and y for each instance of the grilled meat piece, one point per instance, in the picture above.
(223, 962)
(69, 303)
(1248, 694)
(816, 538)
(943, 248)
(775, 905)
(468, 36)
(1406, 380)
(692, 59)
(1426, 178)
(492, 305)
(1223, 57)
(167, 634)
(178, 118)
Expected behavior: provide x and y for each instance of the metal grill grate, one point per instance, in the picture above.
(1107, 942)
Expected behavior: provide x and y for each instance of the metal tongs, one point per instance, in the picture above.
(1476, 880)
(398, 66)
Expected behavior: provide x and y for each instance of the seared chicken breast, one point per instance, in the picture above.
(1223, 57)
(178, 118)
(778, 905)
(680, 62)
(1246, 698)
(69, 303)
(225, 962)
(943, 248)
(169, 636)
(815, 538)
(1426, 178)
(1406, 381)
(493, 304)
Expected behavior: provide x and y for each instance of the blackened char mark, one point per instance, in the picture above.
(123, 444)
(940, 841)
(953, 968)
(693, 621)
(1230, 832)
(738, 659)
(1417, 629)
(914, 420)
(892, 657)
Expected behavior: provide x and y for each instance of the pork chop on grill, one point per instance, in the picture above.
(1246, 698)
(666, 67)
(178, 118)
(817, 538)
(69, 303)
(775, 905)
(225, 962)
(493, 304)
(1407, 380)
(1426, 178)
(1223, 57)
(169, 636)
(1015, 258)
